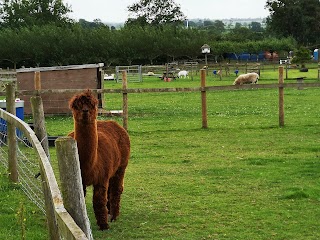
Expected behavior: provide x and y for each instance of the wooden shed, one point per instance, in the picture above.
(60, 77)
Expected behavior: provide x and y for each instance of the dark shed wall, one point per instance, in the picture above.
(75, 78)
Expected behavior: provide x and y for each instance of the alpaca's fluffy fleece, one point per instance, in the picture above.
(104, 149)
(246, 78)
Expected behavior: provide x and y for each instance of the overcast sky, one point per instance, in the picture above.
(116, 10)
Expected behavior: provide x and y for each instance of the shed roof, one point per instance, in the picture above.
(57, 68)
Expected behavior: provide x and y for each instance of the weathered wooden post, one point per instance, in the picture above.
(204, 98)
(11, 131)
(192, 71)
(281, 97)
(71, 182)
(41, 133)
(38, 115)
(37, 81)
(125, 99)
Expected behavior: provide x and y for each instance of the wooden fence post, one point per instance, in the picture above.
(41, 133)
(38, 116)
(125, 99)
(11, 131)
(71, 183)
(37, 81)
(39, 123)
(281, 98)
(204, 98)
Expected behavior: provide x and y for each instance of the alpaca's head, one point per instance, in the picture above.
(84, 107)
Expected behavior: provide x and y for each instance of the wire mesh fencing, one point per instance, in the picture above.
(19, 144)
(28, 165)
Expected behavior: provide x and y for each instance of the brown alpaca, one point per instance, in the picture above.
(104, 149)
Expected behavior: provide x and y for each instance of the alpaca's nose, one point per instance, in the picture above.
(85, 110)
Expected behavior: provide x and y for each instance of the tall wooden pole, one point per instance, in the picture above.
(38, 116)
(125, 99)
(204, 98)
(11, 130)
(281, 98)
(37, 81)
(41, 133)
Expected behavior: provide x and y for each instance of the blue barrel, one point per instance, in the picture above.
(19, 105)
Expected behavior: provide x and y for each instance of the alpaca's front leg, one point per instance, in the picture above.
(84, 190)
(116, 189)
(99, 205)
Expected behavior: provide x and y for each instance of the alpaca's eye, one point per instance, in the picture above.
(76, 105)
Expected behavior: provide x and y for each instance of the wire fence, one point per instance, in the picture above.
(28, 165)
(21, 152)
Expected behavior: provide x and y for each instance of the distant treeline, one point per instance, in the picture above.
(50, 45)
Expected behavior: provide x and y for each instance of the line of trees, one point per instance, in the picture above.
(39, 33)
(299, 19)
(50, 45)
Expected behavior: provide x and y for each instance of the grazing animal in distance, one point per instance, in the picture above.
(183, 74)
(104, 149)
(109, 77)
(246, 78)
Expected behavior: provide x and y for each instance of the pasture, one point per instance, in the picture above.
(242, 178)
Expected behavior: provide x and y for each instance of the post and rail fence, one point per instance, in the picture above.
(203, 88)
(64, 224)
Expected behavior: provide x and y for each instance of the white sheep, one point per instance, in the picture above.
(109, 77)
(183, 73)
(246, 78)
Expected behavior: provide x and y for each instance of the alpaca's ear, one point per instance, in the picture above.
(88, 92)
(71, 103)
(93, 100)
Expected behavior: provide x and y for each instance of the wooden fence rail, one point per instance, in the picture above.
(168, 90)
(201, 89)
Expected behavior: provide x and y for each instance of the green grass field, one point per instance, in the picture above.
(242, 178)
